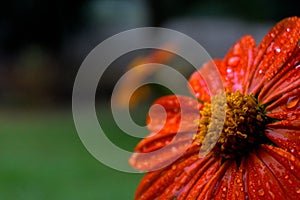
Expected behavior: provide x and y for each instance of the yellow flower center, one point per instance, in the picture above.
(240, 132)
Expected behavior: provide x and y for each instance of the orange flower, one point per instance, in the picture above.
(257, 154)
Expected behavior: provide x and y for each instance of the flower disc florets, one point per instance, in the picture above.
(241, 132)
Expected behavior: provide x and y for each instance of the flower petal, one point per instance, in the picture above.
(237, 65)
(144, 160)
(186, 181)
(209, 189)
(173, 114)
(221, 189)
(286, 103)
(162, 184)
(284, 81)
(203, 87)
(201, 179)
(288, 123)
(173, 125)
(231, 186)
(260, 181)
(285, 166)
(274, 50)
(237, 186)
(153, 185)
(286, 139)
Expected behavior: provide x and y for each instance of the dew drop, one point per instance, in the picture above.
(224, 189)
(272, 35)
(174, 149)
(272, 194)
(173, 167)
(267, 185)
(292, 150)
(277, 50)
(298, 191)
(258, 183)
(288, 29)
(282, 41)
(286, 177)
(292, 167)
(236, 193)
(261, 192)
(233, 61)
(293, 158)
(260, 71)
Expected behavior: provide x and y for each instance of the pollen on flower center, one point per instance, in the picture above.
(241, 132)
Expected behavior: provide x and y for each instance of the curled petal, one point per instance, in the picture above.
(274, 50)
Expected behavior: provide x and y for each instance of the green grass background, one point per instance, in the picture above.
(42, 157)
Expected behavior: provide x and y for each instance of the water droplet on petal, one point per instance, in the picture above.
(298, 191)
(277, 50)
(292, 167)
(237, 194)
(260, 71)
(272, 35)
(293, 158)
(272, 194)
(233, 61)
(292, 150)
(224, 189)
(286, 177)
(261, 192)
(288, 29)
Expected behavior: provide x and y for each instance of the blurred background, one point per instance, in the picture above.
(42, 45)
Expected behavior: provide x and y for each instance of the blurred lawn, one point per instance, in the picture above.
(41, 157)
